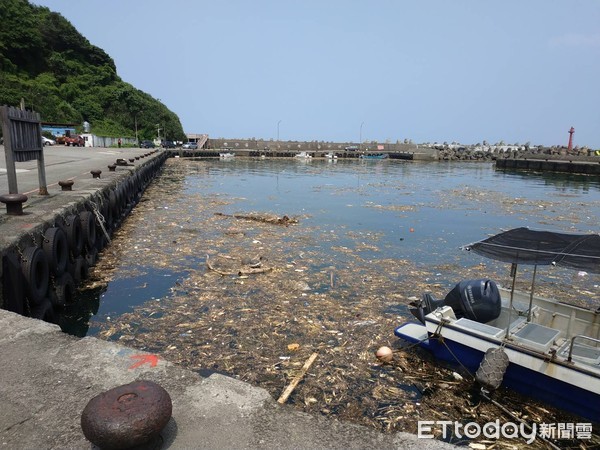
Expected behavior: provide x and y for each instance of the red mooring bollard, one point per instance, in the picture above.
(127, 416)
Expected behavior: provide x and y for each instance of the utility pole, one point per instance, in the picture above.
(360, 138)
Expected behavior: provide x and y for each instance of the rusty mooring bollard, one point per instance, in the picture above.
(127, 416)
(131, 160)
(121, 162)
(137, 157)
(66, 185)
(95, 173)
(14, 203)
(112, 167)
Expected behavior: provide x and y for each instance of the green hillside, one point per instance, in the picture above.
(48, 63)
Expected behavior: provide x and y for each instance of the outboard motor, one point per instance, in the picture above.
(477, 300)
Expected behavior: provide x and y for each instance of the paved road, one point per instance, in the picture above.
(61, 163)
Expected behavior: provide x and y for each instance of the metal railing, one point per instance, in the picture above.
(580, 336)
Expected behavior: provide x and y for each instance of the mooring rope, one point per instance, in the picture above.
(101, 220)
(513, 416)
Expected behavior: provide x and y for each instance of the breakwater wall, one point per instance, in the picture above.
(418, 152)
(308, 146)
(48, 250)
(448, 153)
(271, 148)
(581, 165)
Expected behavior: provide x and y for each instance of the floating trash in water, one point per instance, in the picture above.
(243, 325)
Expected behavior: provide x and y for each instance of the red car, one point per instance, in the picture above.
(75, 141)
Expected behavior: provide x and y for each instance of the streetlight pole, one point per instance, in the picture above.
(278, 130)
(360, 137)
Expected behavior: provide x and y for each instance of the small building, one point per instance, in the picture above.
(59, 129)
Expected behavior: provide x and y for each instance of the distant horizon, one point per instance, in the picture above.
(345, 70)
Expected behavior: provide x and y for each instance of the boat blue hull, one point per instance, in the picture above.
(525, 381)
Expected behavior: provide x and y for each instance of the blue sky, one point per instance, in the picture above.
(426, 70)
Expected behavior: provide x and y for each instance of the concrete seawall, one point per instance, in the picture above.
(44, 255)
(588, 166)
(48, 377)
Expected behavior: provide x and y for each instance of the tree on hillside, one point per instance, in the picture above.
(61, 75)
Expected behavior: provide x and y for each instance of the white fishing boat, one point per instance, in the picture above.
(540, 347)
(226, 155)
(331, 155)
(303, 155)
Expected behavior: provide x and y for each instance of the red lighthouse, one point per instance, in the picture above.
(571, 131)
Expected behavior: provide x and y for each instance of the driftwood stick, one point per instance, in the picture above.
(220, 272)
(290, 388)
(284, 220)
(252, 270)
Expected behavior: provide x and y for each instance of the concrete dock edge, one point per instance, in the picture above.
(48, 377)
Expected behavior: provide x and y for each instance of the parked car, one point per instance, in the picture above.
(75, 141)
(168, 144)
(46, 141)
(147, 144)
(190, 145)
(351, 148)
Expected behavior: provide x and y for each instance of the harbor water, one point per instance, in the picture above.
(363, 240)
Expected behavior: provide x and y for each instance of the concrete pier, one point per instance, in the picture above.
(48, 377)
(586, 166)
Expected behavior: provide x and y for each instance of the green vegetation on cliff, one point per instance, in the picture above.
(48, 63)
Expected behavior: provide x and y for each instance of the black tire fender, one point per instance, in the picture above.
(92, 256)
(74, 233)
(80, 270)
(13, 284)
(63, 292)
(88, 228)
(44, 311)
(56, 248)
(113, 201)
(35, 270)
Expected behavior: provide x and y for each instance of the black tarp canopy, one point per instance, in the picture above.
(525, 246)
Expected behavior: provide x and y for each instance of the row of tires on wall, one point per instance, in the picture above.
(41, 276)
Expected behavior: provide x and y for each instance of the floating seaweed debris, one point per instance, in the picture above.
(258, 301)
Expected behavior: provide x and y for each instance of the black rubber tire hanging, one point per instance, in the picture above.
(44, 311)
(56, 249)
(35, 270)
(74, 233)
(13, 284)
(88, 227)
(64, 291)
(79, 270)
(92, 256)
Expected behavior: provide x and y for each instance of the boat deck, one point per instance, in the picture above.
(552, 329)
